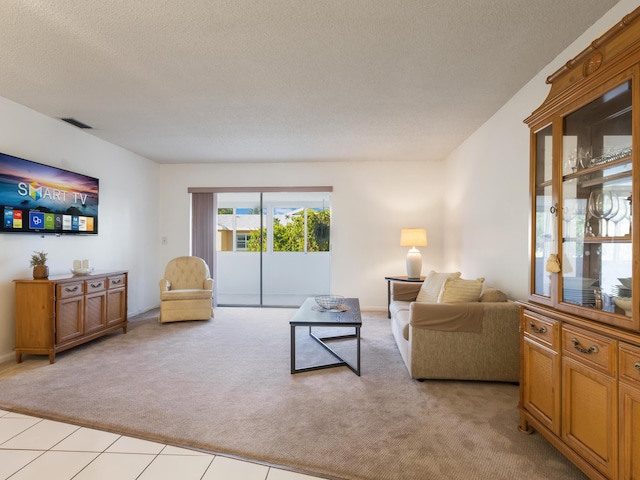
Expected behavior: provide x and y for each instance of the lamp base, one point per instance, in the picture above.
(414, 264)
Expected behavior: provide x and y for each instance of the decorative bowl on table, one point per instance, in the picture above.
(330, 302)
(82, 271)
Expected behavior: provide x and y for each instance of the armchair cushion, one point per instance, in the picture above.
(187, 294)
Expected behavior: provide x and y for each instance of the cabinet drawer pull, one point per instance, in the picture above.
(590, 350)
(96, 285)
(117, 282)
(71, 290)
(542, 329)
(638, 366)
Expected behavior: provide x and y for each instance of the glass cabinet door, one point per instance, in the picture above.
(595, 207)
(544, 220)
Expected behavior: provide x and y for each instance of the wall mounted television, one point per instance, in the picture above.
(38, 198)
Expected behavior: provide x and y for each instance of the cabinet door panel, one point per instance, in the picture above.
(590, 415)
(69, 319)
(95, 313)
(629, 432)
(116, 305)
(542, 384)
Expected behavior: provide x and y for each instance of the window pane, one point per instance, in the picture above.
(318, 230)
(288, 229)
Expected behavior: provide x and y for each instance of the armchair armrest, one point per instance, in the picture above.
(165, 285)
(208, 284)
(405, 291)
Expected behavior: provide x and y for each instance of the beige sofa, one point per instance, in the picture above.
(457, 341)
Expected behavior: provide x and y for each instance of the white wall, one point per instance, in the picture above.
(128, 211)
(370, 203)
(487, 205)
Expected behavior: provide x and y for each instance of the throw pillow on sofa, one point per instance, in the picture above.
(459, 290)
(432, 286)
(493, 295)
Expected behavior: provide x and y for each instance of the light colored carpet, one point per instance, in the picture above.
(225, 386)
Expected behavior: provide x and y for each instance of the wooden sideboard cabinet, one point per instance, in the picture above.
(580, 325)
(63, 311)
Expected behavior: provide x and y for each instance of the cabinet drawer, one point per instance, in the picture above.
(117, 281)
(630, 364)
(590, 348)
(544, 330)
(64, 290)
(95, 285)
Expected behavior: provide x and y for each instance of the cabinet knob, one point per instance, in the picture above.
(542, 329)
(588, 351)
(638, 366)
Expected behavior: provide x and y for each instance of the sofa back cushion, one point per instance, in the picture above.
(432, 286)
(493, 295)
(459, 290)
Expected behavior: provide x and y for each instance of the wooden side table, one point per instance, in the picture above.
(398, 278)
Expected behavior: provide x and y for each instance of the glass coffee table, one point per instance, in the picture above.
(311, 315)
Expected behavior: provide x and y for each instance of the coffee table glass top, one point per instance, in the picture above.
(310, 314)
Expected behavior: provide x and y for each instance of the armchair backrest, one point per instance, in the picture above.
(186, 273)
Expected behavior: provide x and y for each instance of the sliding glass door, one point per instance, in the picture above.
(272, 248)
(237, 259)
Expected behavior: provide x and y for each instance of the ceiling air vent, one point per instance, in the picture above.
(76, 123)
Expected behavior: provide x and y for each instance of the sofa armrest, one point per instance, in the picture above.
(208, 284)
(405, 291)
(493, 354)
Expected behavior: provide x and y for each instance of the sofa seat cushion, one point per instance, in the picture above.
(401, 318)
(432, 285)
(187, 294)
(397, 305)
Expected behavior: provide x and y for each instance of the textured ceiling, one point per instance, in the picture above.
(281, 80)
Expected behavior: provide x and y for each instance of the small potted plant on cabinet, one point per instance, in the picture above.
(39, 264)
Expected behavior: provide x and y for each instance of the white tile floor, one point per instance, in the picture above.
(33, 448)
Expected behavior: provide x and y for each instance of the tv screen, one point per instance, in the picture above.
(38, 198)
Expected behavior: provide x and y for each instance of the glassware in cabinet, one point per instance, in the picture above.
(596, 200)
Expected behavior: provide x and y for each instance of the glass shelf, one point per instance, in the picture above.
(618, 239)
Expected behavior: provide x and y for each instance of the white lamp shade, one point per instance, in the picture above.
(413, 237)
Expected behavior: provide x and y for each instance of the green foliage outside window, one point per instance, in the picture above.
(290, 237)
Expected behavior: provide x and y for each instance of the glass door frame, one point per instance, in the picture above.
(261, 190)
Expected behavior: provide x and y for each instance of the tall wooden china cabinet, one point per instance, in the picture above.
(580, 327)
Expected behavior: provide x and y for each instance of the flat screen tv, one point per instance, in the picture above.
(41, 199)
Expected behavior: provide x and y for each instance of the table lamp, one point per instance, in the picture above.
(413, 237)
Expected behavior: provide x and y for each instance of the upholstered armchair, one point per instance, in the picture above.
(186, 291)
